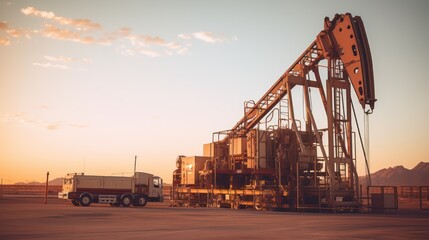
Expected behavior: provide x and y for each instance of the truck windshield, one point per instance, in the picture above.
(67, 181)
(157, 182)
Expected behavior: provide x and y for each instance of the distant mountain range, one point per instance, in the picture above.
(53, 182)
(400, 176)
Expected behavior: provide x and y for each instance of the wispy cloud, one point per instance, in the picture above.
(149, 53)
(78, 30)
(185, 36)
(4, 41)
(53, 126)
(50, 65)
(68, 29)
(62, 62)
(22, 119)
(67, 59)
(16, 33)
(80, 24)
(59, 59)
(12, 33)
(153, 46)
(207, 37)
(51, 31)
(3, 26)
(86, 31)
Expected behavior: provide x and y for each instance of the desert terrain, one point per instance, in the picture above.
(26, 217)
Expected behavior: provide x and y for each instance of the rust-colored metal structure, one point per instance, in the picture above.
(269, 159)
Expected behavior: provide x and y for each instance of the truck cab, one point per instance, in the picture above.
(145, 183)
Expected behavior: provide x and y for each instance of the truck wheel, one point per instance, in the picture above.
(141, 201)
(269, 197)
(85, 200)
(126, 200)
(258, 203)
(75, 202)
(218, 201)
(235, 204)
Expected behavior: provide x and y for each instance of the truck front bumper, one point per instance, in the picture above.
(62, 195)
(68, 195)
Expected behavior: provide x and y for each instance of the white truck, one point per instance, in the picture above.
(82, 190)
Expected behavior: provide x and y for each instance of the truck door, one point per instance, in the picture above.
(157, 187)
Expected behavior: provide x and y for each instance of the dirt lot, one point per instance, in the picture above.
(28, 218)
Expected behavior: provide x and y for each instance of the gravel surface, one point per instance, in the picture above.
(29, 218)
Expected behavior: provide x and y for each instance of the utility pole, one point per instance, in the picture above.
(135, 164)
(1, 188)
(46, 188)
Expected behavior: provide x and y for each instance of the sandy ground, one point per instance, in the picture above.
(29, 218)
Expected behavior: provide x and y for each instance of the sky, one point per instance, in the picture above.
(85, 86)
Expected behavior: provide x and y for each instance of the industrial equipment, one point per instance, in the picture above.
(82, 190)
(270, 159)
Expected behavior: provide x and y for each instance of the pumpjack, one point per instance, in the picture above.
(270, 159)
